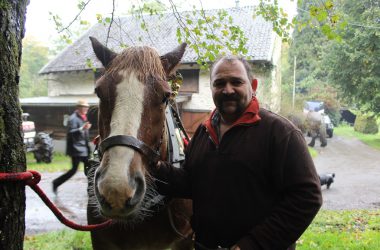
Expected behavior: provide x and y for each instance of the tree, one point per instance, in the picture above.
(34, 57)
(12, 155)
(354, 63)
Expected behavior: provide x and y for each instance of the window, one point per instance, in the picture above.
(190, 80)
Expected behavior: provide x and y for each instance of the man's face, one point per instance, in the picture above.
(83, 110)
(231, 88)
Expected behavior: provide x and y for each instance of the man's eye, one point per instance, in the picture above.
(218, 84)
(237, 82)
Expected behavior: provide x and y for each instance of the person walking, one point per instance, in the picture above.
(248, 170)
(77, 142)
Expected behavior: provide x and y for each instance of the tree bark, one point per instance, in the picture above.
(12, 154)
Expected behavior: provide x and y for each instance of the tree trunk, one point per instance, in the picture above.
(12, 154)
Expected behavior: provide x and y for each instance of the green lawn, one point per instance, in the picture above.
(356, 229)
(349, 230)
(369, 139)
(60, 162)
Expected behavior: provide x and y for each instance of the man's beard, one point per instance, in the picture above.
(230, 104)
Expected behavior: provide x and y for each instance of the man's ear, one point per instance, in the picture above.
(104, 54)
(254, 84)
(171, 60)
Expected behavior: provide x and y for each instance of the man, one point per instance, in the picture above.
(247, 170)
(77, 142)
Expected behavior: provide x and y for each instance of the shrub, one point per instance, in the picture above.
(366, 124)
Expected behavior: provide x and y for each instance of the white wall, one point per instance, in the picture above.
(201, 101)
(71, 83)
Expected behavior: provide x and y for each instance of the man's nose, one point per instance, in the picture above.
(228, 88)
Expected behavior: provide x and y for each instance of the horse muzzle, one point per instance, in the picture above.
(119, 200)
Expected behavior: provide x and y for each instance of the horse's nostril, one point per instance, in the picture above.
(139, 184)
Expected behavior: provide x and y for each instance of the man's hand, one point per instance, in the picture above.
(235, 247)
(86, 126)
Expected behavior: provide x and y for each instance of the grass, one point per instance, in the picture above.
(369, 139)
(354, 229)
(59, 240)
(349, 230)
(312, 152)
(60, 162)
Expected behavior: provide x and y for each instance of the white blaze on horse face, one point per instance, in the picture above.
(126, 120)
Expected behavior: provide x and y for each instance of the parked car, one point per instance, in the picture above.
(318, 106)
(41, 144)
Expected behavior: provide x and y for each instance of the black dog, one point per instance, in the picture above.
(327, 179)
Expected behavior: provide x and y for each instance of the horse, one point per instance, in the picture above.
(133, 94)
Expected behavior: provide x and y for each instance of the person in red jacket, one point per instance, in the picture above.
(247, 170)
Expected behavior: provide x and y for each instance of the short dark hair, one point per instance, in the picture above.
(230, 59)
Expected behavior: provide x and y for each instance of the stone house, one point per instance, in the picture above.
(71, 74)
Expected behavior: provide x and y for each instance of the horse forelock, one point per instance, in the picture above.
(144, 61)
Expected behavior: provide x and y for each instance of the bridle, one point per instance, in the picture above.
(129, 141)
(151, 155)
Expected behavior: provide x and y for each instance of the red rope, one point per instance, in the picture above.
(32, 178)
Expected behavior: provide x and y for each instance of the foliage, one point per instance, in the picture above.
(60, 162)
(212, 35)
(34, 57)
(366, 124)
(353, 64)
(352, 229)
(59, 240)
(308, 47)
(369, 139)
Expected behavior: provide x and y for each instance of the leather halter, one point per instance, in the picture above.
(132, 142)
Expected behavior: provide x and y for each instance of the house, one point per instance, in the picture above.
(70, 75)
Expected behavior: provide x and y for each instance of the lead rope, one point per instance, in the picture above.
(32, 178)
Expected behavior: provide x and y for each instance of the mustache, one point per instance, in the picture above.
(230, 97)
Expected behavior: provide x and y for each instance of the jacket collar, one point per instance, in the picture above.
(250, 116)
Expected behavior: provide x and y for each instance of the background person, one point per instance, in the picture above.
(247, 170)
(77, 142)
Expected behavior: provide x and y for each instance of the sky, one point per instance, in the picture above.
(40, 26)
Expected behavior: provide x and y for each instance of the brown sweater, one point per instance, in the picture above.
(257, 188)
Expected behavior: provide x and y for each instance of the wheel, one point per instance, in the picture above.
(43, 149)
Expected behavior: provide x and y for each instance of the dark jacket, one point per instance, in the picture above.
(258, 187)
(77, 139)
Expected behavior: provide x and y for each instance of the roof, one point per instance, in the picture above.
(128, 31)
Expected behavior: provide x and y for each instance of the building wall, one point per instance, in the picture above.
(275, 101)
(71, 83)
(201, 101)
(50, 119)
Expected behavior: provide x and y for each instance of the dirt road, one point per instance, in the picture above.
(356, 186)
(357, 170)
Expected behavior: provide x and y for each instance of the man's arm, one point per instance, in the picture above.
(298, 183)
(172, 181)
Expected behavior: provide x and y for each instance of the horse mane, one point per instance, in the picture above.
(144, 61)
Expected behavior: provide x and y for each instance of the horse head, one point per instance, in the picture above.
(133, 93)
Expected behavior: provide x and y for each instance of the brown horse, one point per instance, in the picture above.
(133, 95)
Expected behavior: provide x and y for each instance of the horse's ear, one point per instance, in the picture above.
(104, 54)
(172, 59)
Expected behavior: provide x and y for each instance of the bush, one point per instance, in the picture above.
(366, 124)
